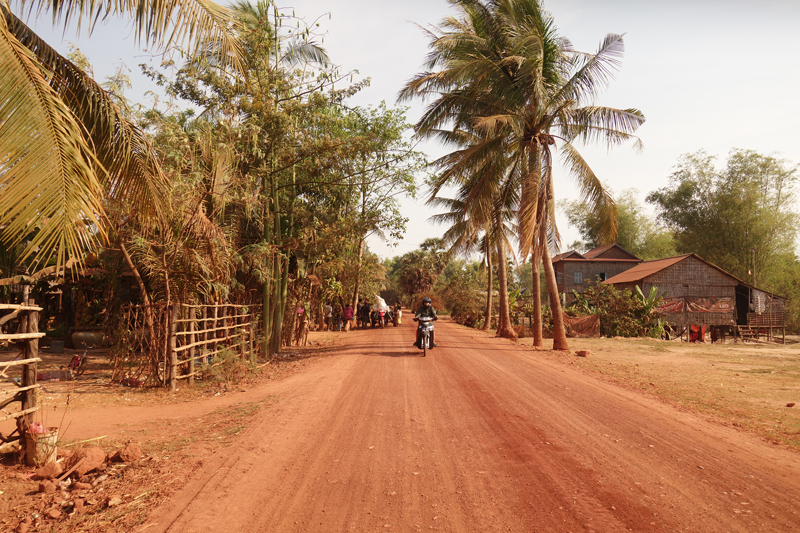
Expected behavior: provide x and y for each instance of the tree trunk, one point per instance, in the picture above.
(504, 328)
(487, 315)
(266, 313)
(559, 331)
(536, 296)
(148, 307)
(277, 234)
(358, 273)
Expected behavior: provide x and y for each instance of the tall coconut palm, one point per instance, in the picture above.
(502, 70)
(473, 231)
(66, 147)
(484, 201)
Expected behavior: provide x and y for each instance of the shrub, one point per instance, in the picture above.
(622, 313)
(461, 297)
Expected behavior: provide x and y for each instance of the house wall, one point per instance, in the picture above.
(589, 271)
(691, 278)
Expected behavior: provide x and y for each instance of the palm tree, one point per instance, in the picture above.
(507, 75)
(66, 147)
(483, 202)
(472, 231)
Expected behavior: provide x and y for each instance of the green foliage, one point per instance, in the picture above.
(226, 367)
(462, 297)
(637, 232)
(419, 270)
(622, 313)
(740, 217)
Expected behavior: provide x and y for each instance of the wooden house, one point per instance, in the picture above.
(696, 292)
(576, 272)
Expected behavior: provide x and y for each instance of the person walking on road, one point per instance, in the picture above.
(348, 317)
(327, 311)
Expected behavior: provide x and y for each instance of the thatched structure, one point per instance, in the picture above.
(696, 292)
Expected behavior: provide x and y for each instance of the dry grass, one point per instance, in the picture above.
(745, 385)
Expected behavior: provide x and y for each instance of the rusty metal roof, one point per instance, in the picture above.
(594, 252)
(572, 255)
(647, 268)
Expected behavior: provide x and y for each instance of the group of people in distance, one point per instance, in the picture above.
(339, 319)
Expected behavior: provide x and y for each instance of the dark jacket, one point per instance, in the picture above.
(426, 311)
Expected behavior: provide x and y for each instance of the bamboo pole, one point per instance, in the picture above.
(192, 338)
(172, 355)
(215, 314)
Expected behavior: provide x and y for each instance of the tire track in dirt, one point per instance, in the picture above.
(479, 436)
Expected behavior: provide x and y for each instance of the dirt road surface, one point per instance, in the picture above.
(480, 436)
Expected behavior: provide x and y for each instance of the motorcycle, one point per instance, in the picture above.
(425, 333)
(77, 366)
(379, 318)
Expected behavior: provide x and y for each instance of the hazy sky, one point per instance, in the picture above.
(707, 74)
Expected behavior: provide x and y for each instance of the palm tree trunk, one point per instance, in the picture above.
(536, 296)
(149, 318)
(504, 328)
(487, 315)
(559, 331)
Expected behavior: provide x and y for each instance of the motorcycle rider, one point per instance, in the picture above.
(425, 310)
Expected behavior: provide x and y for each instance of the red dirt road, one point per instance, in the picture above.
(480, 436)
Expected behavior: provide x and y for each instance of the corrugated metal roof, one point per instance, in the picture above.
(598, 260)
(594, 252)
(647, 268)
(572, 254)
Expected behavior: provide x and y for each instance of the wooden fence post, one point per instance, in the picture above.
(30, 351)
(192, 338)
(240, 331)
(250, 331)
(172, 355)
(214, 334)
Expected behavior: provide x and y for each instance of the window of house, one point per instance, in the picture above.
(602, 276)
(558, 278)
(578, 278)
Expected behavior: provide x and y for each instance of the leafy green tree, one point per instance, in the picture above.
(740, 217)
(637, 232)
(419, 270)
(460, 293)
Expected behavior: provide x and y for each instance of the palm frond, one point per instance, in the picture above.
(131, 172)
(48, 173)
(593, 193)
(161, 23)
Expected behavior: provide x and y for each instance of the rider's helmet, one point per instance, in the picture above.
(426, 301)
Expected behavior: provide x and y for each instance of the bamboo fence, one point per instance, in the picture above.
(190, 340)
(24, 391)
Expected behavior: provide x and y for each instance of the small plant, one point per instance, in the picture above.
(226, 367)
(58, 331)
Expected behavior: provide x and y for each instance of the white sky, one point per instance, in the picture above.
(707, 74)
